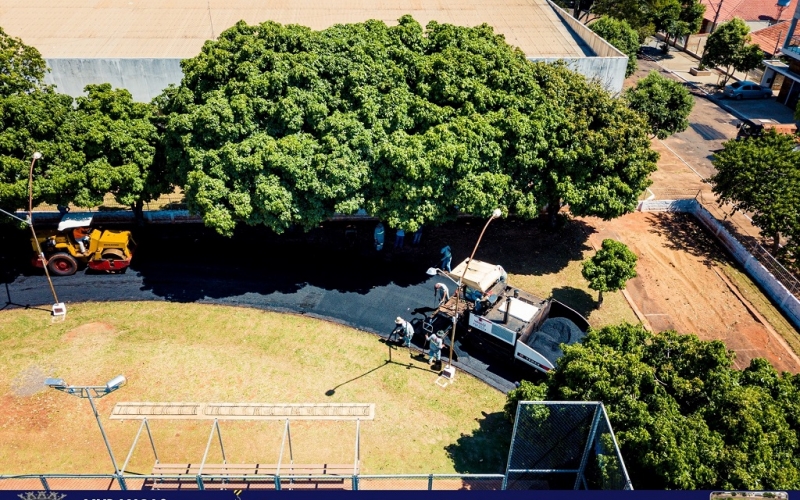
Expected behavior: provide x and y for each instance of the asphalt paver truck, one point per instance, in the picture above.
(510, 323)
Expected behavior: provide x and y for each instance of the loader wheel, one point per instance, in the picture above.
(113, 254)
(62, 264)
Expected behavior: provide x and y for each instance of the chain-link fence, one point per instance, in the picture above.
(564, 445)
(59, 482)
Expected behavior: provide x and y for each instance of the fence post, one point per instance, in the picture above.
(355, 483)
(200, 483)
(44, 483)
(121, 481)
(430, 482)
(277, 482)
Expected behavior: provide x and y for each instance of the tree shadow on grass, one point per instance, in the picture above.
(579, 300)
(485, 450)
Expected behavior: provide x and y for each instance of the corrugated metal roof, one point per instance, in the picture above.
(178, 28)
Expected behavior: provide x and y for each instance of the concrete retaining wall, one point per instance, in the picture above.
(603, 62)
(144, 78)
(787, 302)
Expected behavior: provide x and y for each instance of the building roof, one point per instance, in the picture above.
(771, 37)
(747, 10)
(178, 28)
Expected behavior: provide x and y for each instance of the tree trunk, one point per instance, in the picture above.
(138, 212)
(600, 299)
(776, 243)
(552, 212)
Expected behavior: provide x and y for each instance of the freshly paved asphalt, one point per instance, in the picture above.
(354, 286)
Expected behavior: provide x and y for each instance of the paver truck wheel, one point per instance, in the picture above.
(62, 264)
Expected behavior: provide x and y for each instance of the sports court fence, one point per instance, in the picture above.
(64, 482)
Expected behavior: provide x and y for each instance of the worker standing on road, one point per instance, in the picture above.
(406, 330)
(435, 348)
(441, 293)
(447, 257)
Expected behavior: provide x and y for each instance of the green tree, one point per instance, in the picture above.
(526, 391)
(22, 68)
(609, 268)
(729, 46)
(620, 35)
(119, 142)
(596, 156)
(40, 120)
(761, 176)
(645, 16)
(281, 126)
(683, 416)
(665, 102)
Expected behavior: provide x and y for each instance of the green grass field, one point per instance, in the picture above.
(205, 353)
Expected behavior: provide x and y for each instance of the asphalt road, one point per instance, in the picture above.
(320, 274)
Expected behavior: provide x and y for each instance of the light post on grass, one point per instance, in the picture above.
(90, 392)
(59, 309)
(450, 371)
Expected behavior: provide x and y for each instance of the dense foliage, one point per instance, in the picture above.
(281, 126)
(610, 267)
(684, 418)
(620, 35)
(102, 143)
(665, 102)
(761, 176)
(729, 46)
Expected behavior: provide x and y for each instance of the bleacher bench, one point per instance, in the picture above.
(334, 473)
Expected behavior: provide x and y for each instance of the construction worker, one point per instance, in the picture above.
(441, 293)
(406, 330)
(447, 257)
(435, 347)
(81, 236)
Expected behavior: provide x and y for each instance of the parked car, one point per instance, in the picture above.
(746, 90)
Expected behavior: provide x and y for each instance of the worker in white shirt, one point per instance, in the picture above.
(406, 330)
(441, 293)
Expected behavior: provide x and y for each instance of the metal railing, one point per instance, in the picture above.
(59, 482)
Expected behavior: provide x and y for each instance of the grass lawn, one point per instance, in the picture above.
(204, 353)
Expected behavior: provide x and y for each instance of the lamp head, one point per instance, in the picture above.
(116, 382)
(432, 271)
(37, 155)
(497, 213)
(55, 382)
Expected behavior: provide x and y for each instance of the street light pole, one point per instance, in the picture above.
(90, 392)
(496, 214)
(36, 156)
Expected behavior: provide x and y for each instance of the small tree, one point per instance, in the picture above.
(730, 46)
(619, 34)
(610, 268)
(666, 104)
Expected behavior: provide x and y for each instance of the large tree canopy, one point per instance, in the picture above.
(729, 46)
(684, 418)
(281, 126)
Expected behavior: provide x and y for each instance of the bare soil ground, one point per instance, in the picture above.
(681, 286)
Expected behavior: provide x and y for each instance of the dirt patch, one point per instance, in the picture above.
(91, 333)
(678, 286)
(25, 414)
